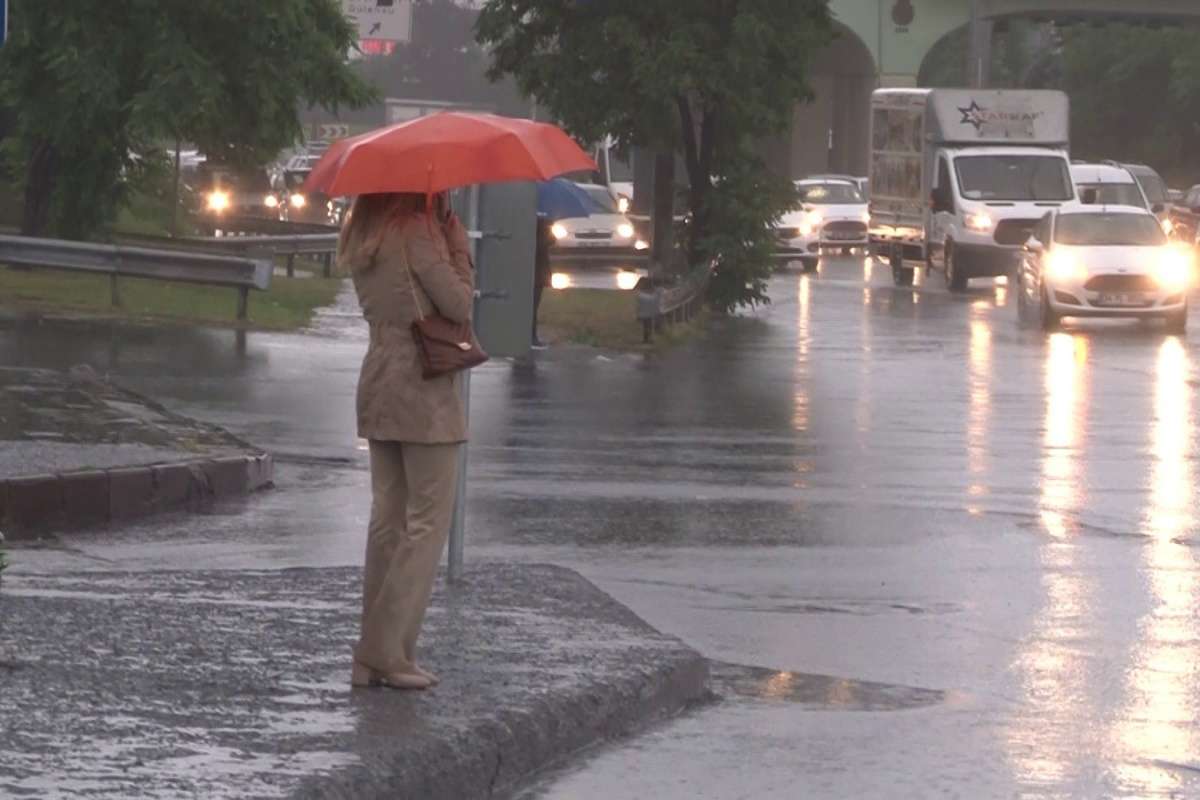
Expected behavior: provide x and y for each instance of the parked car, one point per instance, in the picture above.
(832, 215)
(601, 250)
(1185, 216)
(1106, 185)
(1103, 261)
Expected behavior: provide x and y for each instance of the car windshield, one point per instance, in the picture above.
(830, 194)
(602, 199)
(1152, 185)
(1112, 194)
(1108, 230)
(1016, 177)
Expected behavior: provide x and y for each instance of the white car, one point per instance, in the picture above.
(1107, 185)
(832, 214)
(1103, 261)
(601, 250)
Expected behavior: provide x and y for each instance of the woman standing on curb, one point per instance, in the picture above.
(398, 256)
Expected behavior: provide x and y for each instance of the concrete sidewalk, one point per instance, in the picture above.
(76, 450)
(235, 684)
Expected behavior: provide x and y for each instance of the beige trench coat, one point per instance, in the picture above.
(395, 403)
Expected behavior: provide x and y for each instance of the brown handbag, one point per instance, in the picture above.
(444, 346)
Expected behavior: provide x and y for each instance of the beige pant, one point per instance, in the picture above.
(412, 488)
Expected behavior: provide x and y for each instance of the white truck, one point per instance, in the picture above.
(959, 177)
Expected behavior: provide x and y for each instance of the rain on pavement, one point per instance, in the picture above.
(929, 552)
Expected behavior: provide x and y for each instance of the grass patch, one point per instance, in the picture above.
(288, 305)
(602, 318)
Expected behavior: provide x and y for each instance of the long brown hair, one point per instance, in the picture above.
(369, 219)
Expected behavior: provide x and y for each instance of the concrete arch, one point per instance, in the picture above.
(830, 133)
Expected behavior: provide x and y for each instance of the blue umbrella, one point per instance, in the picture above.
(560, 198)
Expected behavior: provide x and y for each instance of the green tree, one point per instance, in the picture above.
(709, 78)
(98, 85)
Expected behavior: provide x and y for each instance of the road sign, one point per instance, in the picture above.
(389, 20)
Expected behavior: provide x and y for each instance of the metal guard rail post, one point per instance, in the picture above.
(117, 261)
(657, 305)
(289, 245)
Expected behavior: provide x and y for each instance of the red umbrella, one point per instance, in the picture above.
(444, 151)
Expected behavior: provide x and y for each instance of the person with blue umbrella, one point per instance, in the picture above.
(557, 199)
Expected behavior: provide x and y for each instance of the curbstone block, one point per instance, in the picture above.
(262, 472)
(130, 492)
(85, 497)
(229, 477)
(33, 503)
(178, 486)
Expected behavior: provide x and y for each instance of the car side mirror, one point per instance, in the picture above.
(1089, 197)
(1158, 208)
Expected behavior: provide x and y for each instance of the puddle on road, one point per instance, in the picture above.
(818, 692)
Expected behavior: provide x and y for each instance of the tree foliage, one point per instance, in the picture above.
(1135, 90)
(96, 86)
(709, 78)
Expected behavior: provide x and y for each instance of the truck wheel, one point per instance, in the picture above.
(1049, 318)
(1177, 321)
(901, 276)
(956, 279)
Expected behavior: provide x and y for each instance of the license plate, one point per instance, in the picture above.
(1121, 299)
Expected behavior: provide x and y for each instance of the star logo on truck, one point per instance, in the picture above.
(974, 115)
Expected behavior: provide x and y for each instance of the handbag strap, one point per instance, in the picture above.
(412, 281)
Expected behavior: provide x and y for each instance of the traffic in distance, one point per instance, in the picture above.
(981, 184)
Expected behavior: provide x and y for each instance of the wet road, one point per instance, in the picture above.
(951, 557)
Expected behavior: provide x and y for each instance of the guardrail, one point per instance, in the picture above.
(659, 305)
(289, 245)
(117, 261)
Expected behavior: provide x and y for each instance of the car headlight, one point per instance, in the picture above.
(627, 281)
(1174, 269)
(559, 231)
(624, 231)
(1061, 265)
(560, 280)
(298, 201)
(1168, 227)
(980, 222)
(218, 201)
(623, 204)
(866, 217)
(271, 201)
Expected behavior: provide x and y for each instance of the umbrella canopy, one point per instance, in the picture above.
(563, 199)
(445, 151)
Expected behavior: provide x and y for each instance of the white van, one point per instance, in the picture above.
(1107, 185)
(959, 177)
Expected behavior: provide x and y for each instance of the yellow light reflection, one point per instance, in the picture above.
(868, 269)
(1159, 721)
(1065, 383)
(1053, 670)
(803, 343)
(979, 408)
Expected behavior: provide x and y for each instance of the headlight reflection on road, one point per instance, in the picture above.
(1054, 672)
(1158, 721)
(1066, 383)
(979, 408)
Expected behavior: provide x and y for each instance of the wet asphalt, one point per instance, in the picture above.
(931, 553)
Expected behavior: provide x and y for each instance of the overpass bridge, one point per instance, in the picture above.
(885, 42)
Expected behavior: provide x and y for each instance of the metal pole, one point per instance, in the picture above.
(243, 304)
(454, 555)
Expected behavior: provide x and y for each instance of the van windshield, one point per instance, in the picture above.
(1111, 194)
(830, 193)
(1014, 178)
(1109, 230)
